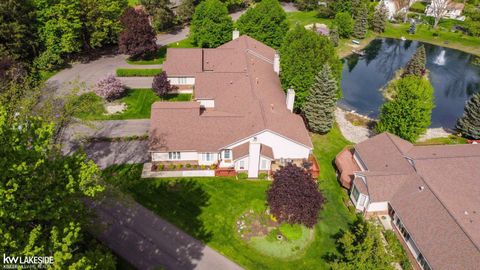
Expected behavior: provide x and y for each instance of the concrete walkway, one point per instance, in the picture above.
(137, 82)
(149, 242)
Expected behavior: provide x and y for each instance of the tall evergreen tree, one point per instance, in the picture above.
(380, 18)
(361, 21)
(408, 114)
(416, 65)
(334, 36)
(319, 108)
(211, 24)
(303, 54)
(469, 123)
(266, 22)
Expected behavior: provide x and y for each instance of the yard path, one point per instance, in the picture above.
(355, 134)
(137, 82)
(149, 242)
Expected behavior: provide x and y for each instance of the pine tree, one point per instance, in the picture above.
(361, 22)
(380, 18)
(185, 10)
(469, 123)
(416, 65)
(319, 108)
(334, 36)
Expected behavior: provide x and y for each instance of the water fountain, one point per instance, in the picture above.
(440, 60)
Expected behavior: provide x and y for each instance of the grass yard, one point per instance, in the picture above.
(137, 72)
(132, 3)
(138, 101)
(208, 208)
(452, 139)
(159, 56)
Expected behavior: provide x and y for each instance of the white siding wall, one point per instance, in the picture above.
(237, 164)
(282, 147)
(377, 207)
(202, 158)
(266, 162)
(176, 80)
(207, 103)
(163, 156)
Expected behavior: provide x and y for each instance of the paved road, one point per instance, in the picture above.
(149, 242)
(109, 128)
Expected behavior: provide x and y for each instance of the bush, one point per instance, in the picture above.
(171, 166)
(325, 12)
(397, 250)
(179, 166)
(242, 175)
(195, 166)
(344, 22)
(188, 165)
(133, 72)
(262, 176)
(110, 88)
(161, 167)
(203, 167)
(213, 167)
(291, 231)
(161, 85)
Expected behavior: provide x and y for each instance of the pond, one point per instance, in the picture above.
(452, 73)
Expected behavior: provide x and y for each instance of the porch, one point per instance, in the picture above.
(311, 165)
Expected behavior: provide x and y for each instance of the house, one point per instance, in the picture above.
(239, 120)
(431, 194)
(395, 7)
(454, 11)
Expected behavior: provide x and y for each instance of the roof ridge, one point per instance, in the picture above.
(446, 157)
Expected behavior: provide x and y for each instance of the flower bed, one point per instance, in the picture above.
(181, 167)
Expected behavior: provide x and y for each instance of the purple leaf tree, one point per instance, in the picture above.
(110, 88)
(161, 86)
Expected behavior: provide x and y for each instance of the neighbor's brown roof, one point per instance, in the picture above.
(248, 98)
(438, 198)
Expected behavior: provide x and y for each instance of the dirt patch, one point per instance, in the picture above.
(254, 224)
(359, 121)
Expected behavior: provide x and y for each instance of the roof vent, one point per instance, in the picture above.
(271, 105)
(231, 82)
(256, 80)
(421, 188)
(466, 213)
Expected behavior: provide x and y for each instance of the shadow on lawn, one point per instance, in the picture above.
(180, 201)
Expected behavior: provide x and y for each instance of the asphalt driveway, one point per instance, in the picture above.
(149, 242)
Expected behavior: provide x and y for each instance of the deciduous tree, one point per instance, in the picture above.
(161, 13)
(265, 22)
(294, 196)
(416, 65)
(319, 108)
(41, 193)
(185, 10)
(137, 38)
(344, 22)
(362, 247)
(161, 85)
(110, 88)
(469, 123)
(211, 24)
(303, 55)
(438, 9)
(408, 114)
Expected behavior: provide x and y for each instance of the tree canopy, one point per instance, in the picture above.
(319, 108)
(416, 65)
(361, 21)
(41, 193)
(361, 247)
(302, 56)
(211, 24)
(265, 22)
(294, 196)
(469, 123)
(408, 114)
(380, 18)
(137, 38)
(161, 13)
(161, 85)
(344, 23)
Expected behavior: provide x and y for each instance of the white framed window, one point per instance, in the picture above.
(227, 153)
(263, 164)
(182, 80)
(207, 156)
(174, 155)
(241, 164)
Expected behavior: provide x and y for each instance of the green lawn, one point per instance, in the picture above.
(159, 56)
(133, 3)
(208, 208)
(305, 18)
(139, 103)
(137, 72)
(452, 139)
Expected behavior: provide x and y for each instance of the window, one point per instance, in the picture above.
(423, 263)
(227, 153)
(182, 80)
(207, 156)
(355, 193)
(263, 164)
(241, 165)
(174, 155)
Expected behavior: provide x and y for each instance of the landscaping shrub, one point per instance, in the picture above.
(132, 72)
(344, 23)
(213, 167)
(171, 166)
(291, 231)
(110, 88)
(397, 250)
(188, 165)
(179, 166)
(203, 167)
(262, 176)
(161, 167)
(242, 175)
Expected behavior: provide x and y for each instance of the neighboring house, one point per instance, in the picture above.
(453, 11)
(393, 7)
(240, 118)
(431, 193)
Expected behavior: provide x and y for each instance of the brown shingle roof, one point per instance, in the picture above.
(247, 93)
(438, 199)
(243, 150)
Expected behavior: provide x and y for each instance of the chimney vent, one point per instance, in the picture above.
(235, 34)
(276, 63)
(290, 100)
